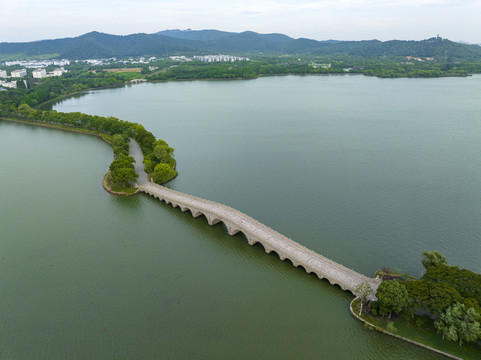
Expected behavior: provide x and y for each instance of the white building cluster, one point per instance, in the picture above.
(42, 73)
(180, 58)
(18, 73)
(220, 58)
(8, 84)
(33, 64)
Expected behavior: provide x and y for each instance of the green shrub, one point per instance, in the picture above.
(374, 311)
(420, 322)
(374, 305)
(391, 328)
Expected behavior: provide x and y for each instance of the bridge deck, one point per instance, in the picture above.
(235, 221)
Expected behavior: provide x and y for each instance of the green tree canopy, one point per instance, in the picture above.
(392, 296)
(122, 171)
(459, 323)
(120, 143)
(435, 297)
(124, 176)
(466, 282)
(163, 173)
(162, 152)
(433, 258)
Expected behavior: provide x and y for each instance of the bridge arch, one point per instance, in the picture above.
(251, 239)
(231, 228)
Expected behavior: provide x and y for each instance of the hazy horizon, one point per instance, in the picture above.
(29, 20)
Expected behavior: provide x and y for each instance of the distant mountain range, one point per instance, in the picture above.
(190, 42)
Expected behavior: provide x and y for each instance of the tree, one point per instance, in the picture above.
(122, 170)
(122, 161)
(120, 144)
(466, 282)
(163, 173)
(459, 323)
(123, 176)
(363, 291)
(162, 152)
(433, 258)
(435, 297)
(392, 296)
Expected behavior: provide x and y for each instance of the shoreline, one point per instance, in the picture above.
(107, 187)
(384, 331)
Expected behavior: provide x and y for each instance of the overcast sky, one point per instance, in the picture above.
(29, 20)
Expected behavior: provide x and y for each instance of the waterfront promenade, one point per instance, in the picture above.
(255, 232)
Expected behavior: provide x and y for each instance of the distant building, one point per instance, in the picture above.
(58, 72)
(414, 58)
(3, 74)
(220, 58)
(8, 84)
(33, 64)
(322, 66)
(19, 73)
(39, 73)
(180, 58)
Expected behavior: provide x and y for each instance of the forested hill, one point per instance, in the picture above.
(187, 42)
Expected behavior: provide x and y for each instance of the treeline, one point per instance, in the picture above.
(274, 66)
(122, 169)
(420, 70)
(449, 295)
(239, 70)
(158, 155)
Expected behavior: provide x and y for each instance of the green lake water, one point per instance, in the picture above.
(368, 172)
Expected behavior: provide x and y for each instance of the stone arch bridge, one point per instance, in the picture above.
(255, 232)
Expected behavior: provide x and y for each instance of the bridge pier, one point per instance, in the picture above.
(211, 219)
(231, 228)
(251, 240)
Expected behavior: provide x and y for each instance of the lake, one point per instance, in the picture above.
(368, 172)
